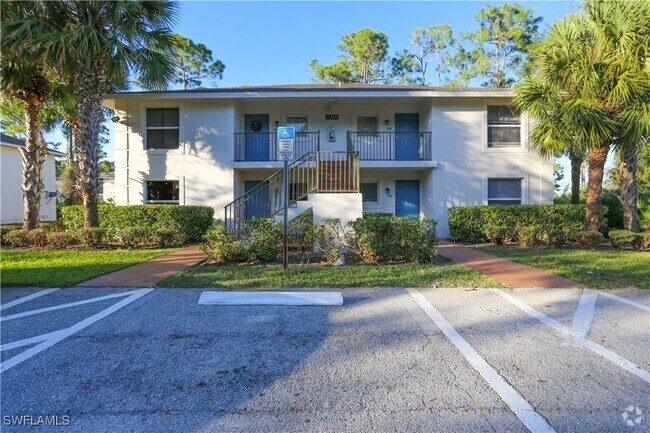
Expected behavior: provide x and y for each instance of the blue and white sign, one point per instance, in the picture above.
(286, 140)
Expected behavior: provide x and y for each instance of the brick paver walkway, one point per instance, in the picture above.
(150, 273)
(508, 273)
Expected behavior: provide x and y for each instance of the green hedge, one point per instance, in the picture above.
(469, 223)
(191, 222)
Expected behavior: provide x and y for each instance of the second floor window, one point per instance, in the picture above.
(298, 122)
(162, 128)
(504, 127)
(367, 125)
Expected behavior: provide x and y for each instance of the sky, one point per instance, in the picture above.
(273, 42)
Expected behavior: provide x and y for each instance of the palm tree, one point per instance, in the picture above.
(96, 44)
(26, 80)
(590, 76)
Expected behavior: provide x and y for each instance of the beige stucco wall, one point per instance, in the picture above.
(11, 206)
(202, 164)
(465, 162)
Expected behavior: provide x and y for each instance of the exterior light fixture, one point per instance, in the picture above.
(277, 123)
(388, 192)
(387, 122)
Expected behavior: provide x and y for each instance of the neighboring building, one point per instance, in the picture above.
(11, 204)
(399, 149)
(107, 186)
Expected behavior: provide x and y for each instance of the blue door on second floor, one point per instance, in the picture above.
(407, 136)
(407, 198)
(257, 204)
(257, 137)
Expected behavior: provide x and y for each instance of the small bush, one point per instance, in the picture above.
(92, 237)
(4, 230)
(260, 240)
(587, 238)
(645, 239)
(306, 238)
(167, 237)
(60, 240)
(499, 234)
(37, 238)
(527, 236)
(625, 239)
(191, 222)
(17, 238)
(386, 238)
(134, 237)
(554, 237)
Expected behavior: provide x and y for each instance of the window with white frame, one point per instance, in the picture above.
(504, 191)
(162, 128)
(162, 191)
(298, 122)
(369, 192)
(367, 125)
(504, 126)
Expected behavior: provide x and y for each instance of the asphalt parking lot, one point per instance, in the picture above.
(153, 360)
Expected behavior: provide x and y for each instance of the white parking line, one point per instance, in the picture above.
(27, 341)
(61, 306)
(26, 298)
(519, 406)
(58, 336)
(584, 314)
(577, 338)
(626, 301)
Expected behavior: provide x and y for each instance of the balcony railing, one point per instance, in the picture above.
(263, 146)
(390, 146)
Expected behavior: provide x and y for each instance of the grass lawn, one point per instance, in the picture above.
(270, 276)
(62, 268)
(600, 269)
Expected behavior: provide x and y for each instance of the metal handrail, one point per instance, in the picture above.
(384, 145)
(330, 171)
(265, 145)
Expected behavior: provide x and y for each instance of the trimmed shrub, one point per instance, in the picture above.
(17, 238)
(527, 236)
(625, 239)
(260, 240)
(554, 238)
(388, 238)
(133, 237)
(60, 240)
(587, 238)
(305, 238)
(645, 239)
(191, 222)
(469, 223)
(92, 237)
(37, 238)
(499, 234)
(6, 229)
(167, 237)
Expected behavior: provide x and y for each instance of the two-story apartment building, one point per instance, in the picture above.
(408, 150)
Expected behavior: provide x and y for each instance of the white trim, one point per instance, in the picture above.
(523, 133)
(143, 128)
(145, 191)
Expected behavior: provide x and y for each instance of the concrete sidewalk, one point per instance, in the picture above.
(150, 273)
(508, 273)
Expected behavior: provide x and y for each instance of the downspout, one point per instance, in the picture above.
(128, 151)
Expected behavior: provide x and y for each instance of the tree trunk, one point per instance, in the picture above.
(32, 159)
(628, 187)
(90, 87)
(597, 159)
(577, 159)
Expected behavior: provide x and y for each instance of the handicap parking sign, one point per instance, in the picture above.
(286, 139)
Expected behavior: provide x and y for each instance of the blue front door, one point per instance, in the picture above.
(256, 205)
(407, 198)
(407, 136)
(257, 137)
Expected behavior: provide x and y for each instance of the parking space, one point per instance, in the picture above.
(387, 360)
